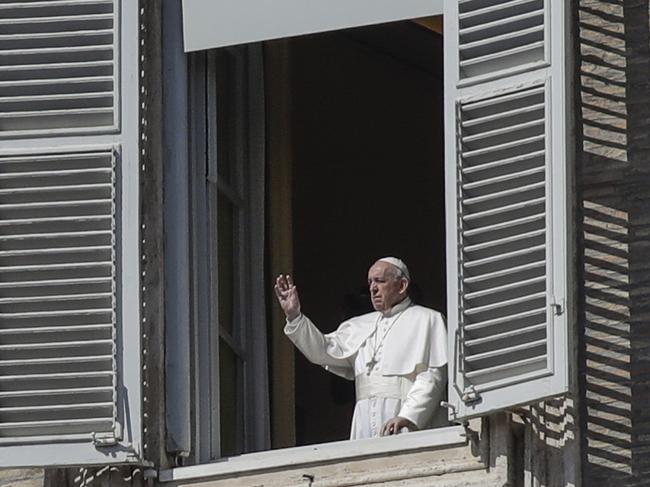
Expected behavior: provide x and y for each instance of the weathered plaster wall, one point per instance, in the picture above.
(613, 149)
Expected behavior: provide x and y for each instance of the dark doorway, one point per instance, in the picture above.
(367, 182)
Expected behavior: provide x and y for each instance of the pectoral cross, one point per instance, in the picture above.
(371, 364)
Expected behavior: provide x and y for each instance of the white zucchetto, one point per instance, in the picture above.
(399, 264)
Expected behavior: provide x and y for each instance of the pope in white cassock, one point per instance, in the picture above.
(397, 355)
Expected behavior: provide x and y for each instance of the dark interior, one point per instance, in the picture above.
(368, 182)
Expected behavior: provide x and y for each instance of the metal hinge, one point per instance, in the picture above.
(110, 438)
(470, 395)
(558, 308)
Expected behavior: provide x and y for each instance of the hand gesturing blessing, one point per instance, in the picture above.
(287, 295)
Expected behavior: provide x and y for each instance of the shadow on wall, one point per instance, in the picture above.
(613, 155)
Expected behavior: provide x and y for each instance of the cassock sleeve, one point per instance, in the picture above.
(325, 350)
(424, 396)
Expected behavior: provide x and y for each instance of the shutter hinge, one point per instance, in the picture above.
(558, 308)
(470, 395)
(110, 438)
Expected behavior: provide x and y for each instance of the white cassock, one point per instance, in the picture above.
(398, 360)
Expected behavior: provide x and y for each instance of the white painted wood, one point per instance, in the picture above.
(75, 344)
(60, 68)
(314, 454)
(216, 23)
(506, 194)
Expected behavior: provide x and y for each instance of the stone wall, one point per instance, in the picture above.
(28, 477)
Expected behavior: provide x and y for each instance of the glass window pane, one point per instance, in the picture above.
(226, 112)
(231, 415)
(226, 258)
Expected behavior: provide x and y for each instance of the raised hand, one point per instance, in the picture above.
(287, 295)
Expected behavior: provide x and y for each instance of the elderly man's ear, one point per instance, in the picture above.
(404, 285)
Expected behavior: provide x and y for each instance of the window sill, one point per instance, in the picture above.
(313, 454)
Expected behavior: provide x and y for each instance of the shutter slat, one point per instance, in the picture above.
(56, 35)
(55, 361)
(519, 159)
(503, 22)
(504, 304)
(99, 156)
(54, 267)
(59, 173)
(502, 194)
(56, 113)
(490, 8)
(54, 329)
(497, 101)
(504, 272)
(505, 351)
(503, 130)
(60, 188)
(57, 407)
(506, 287)
(57, 97)
(514, 365)
(53, 3)
(45, 66)
(60, 297)
(502, 37)
(481, 325)
(57, 250)
(50, 345)
(54, 204)
(502, 54)
(504, 178)
(56, 423)
(505, 225)
(480, 120)
(54, 235)
(48, 52)
(28, 21)
(55, 376)
(54, 283)
(504, 209)
(503, 147)
(56, 219)
(51, 81)
(502, 241)
(52, 314)
(57, 392)
(504, 336)
(504, 256)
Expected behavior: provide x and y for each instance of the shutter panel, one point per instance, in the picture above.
(57, 66)
(69, 314)
(57, 296)
(506, 198)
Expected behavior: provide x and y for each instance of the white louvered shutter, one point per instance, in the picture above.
(506, 202)
(69, 313)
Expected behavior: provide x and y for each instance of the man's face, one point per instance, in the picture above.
(385, 289)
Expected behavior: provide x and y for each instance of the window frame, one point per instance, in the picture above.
(207, 186)
(213, 469)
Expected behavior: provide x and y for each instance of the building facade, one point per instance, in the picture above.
(123, 156)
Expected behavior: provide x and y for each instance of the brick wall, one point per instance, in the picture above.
(613, 171)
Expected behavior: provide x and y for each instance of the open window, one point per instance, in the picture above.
(69, 248)
(505, 201)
